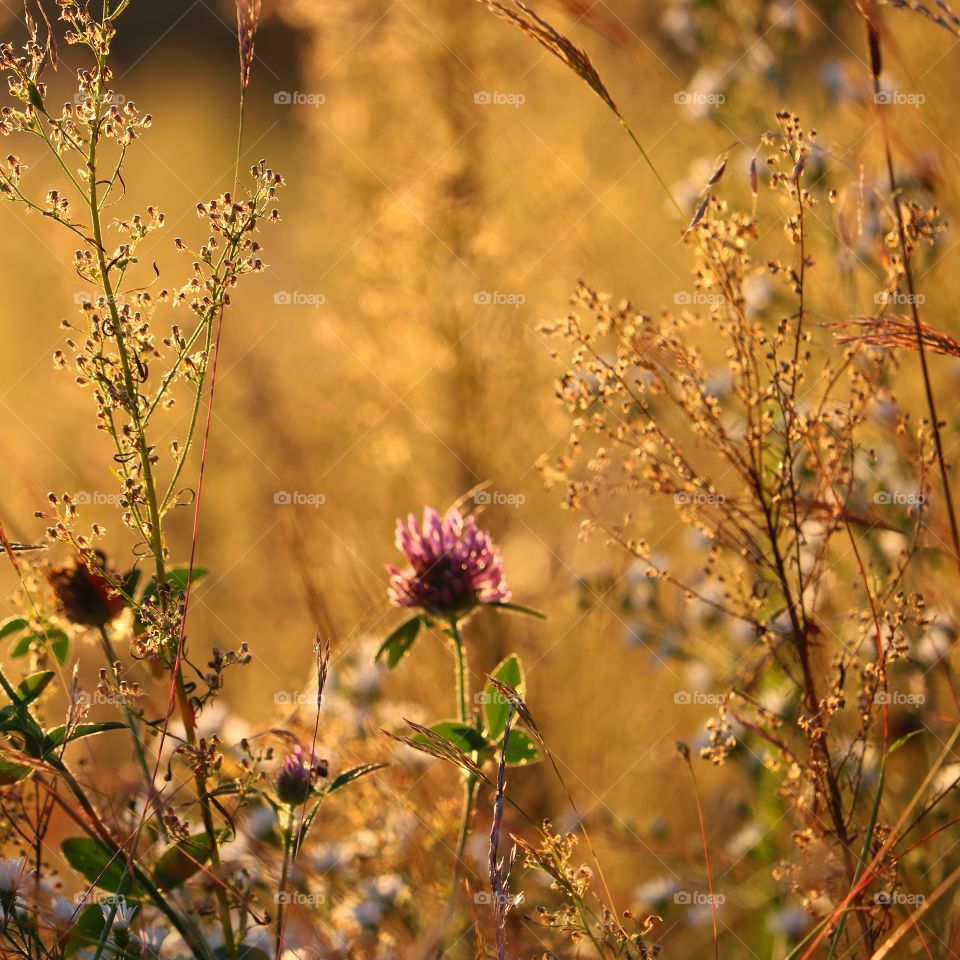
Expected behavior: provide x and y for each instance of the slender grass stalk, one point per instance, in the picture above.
(685, 754)
(874, 49)
(282, 889)
(469, 779)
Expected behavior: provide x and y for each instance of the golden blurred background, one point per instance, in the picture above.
(449, 182)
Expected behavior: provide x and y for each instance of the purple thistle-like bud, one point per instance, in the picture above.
(295, 779)
(454, 565)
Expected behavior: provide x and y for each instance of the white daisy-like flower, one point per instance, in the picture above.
(122, 913)
(13, 878)
(13, 875)
(152, 940)
(62, 915)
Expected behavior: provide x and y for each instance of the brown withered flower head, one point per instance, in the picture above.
(84, 592)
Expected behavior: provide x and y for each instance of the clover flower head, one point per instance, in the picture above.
(295, 779)
(453, 565)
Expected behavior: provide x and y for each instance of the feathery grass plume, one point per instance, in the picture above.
(531, 24)
(439, 747)
(893, 332)
(248, 19)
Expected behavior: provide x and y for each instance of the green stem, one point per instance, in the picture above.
(156, 532)
(287, 843)
(131, 719)
(470, 780)
(461, 664)
(133, 394)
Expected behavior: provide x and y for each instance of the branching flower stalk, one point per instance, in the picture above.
(115, 350)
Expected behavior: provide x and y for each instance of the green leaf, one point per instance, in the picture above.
(178, 577)
(11, 773)
(399, 642)
(99, 867)
(12, 625)
(34, 95)
(52, 637)
(16, 719)
(226, 790)
(87, 931)
(896, 745)
(516, 608)
(466, 738)
(57, 736)
(348, 776)
(181, 861)
(495, 705)
(59, 645)
(521, 749)
(28, 690)
(22, 647)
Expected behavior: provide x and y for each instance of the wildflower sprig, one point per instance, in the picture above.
(114, 350)
(454, 570)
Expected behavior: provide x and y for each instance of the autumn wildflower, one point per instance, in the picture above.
(454, 565)
(295, 779)
(85, 593)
